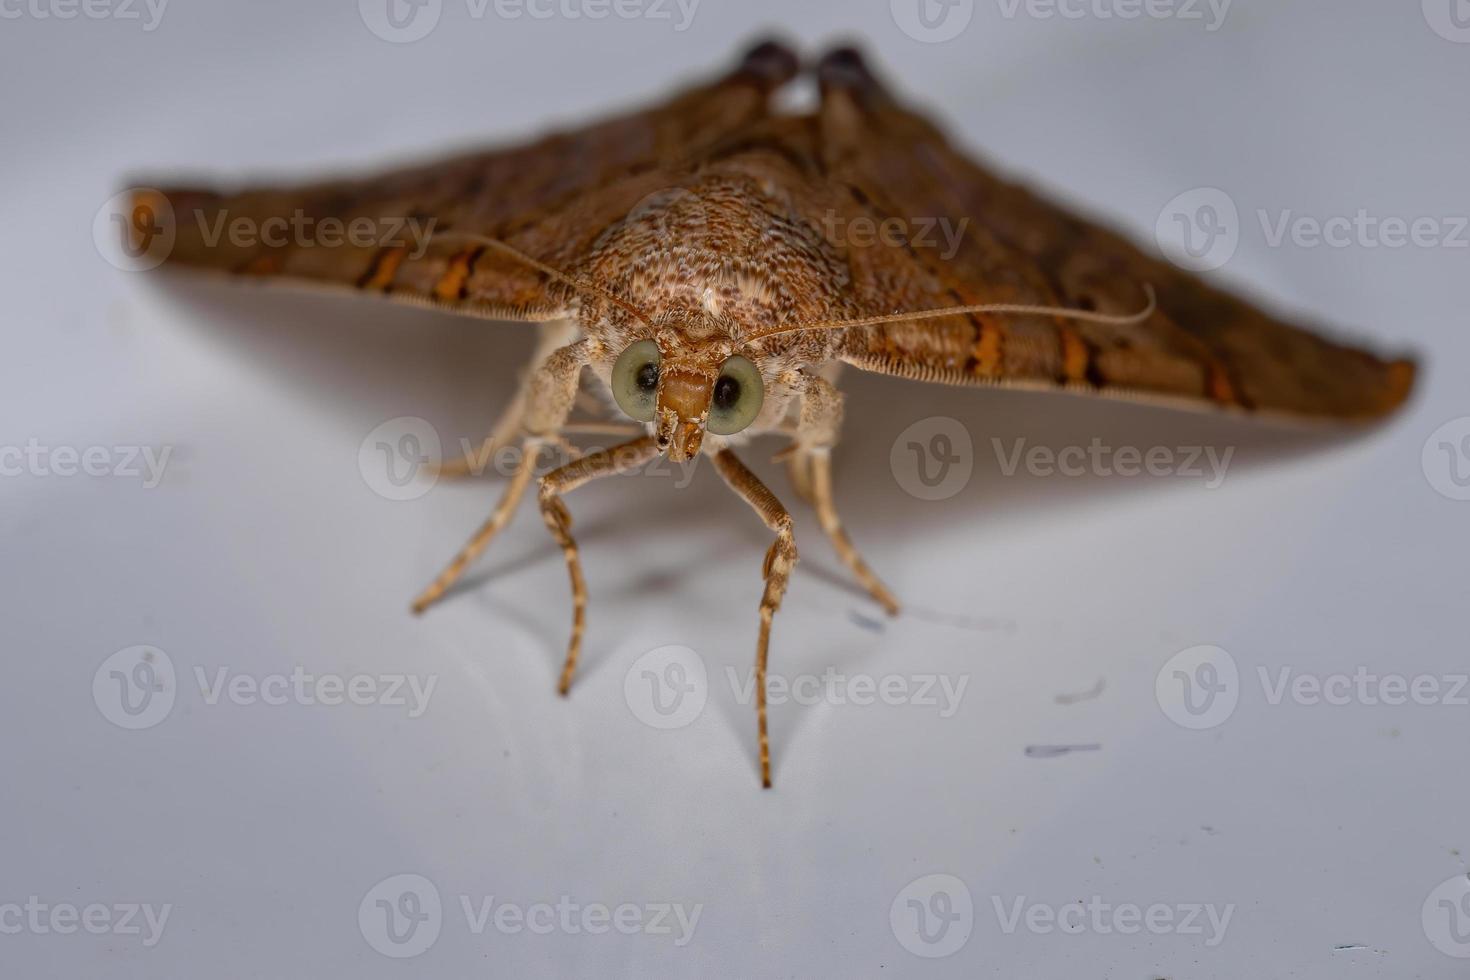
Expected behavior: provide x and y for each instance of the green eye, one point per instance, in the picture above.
(635, 380)
(739, 392)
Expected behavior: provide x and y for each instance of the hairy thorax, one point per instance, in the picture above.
(706, 265)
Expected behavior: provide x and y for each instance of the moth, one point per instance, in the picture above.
(683, 258)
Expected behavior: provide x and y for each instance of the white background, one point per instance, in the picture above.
(1323, 828)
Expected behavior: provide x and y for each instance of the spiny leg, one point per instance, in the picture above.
(500, 517)
(548, 400)
(821, 473)
(777, 572)
(607, 462)
(553, 335)
(816, 434)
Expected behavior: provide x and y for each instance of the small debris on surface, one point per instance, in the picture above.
(1087, 695)
(1053, 751)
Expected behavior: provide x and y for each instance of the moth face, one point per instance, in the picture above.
(685, 397)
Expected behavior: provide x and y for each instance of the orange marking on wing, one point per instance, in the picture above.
(1075, 355)
(451, 285)
(989, 345)
(263, 265)
(1218, 385)
(385, 268)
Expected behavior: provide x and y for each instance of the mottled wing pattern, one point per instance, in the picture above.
(1202, 346)
(550, 199)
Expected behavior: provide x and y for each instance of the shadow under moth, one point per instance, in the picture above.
(685, 257)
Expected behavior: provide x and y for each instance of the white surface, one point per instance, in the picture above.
(263, 549)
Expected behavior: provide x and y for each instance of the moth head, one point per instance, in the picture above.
(685, 397)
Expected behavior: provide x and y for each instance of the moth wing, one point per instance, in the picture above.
(993, 241)
(392, 233)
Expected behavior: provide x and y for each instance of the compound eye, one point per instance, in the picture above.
(739, 392)
(635, 380)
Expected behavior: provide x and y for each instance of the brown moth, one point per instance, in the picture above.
(681, 254)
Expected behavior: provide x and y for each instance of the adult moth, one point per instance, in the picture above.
(685, 257)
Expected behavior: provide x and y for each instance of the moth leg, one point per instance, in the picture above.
(816, 434)
(552, 335)
(777, 571)
(549, 396)
(565, 479)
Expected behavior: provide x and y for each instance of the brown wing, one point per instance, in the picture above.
(1202, 346)
(390, 233)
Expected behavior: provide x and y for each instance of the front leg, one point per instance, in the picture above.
(816, 434)
(618, 459)
(777, 571)
(549, 395)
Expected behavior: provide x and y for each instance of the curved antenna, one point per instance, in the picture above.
(575, 282)
(1017, 309)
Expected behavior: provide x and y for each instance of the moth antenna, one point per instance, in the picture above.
(576, 283)
(1017, 309)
